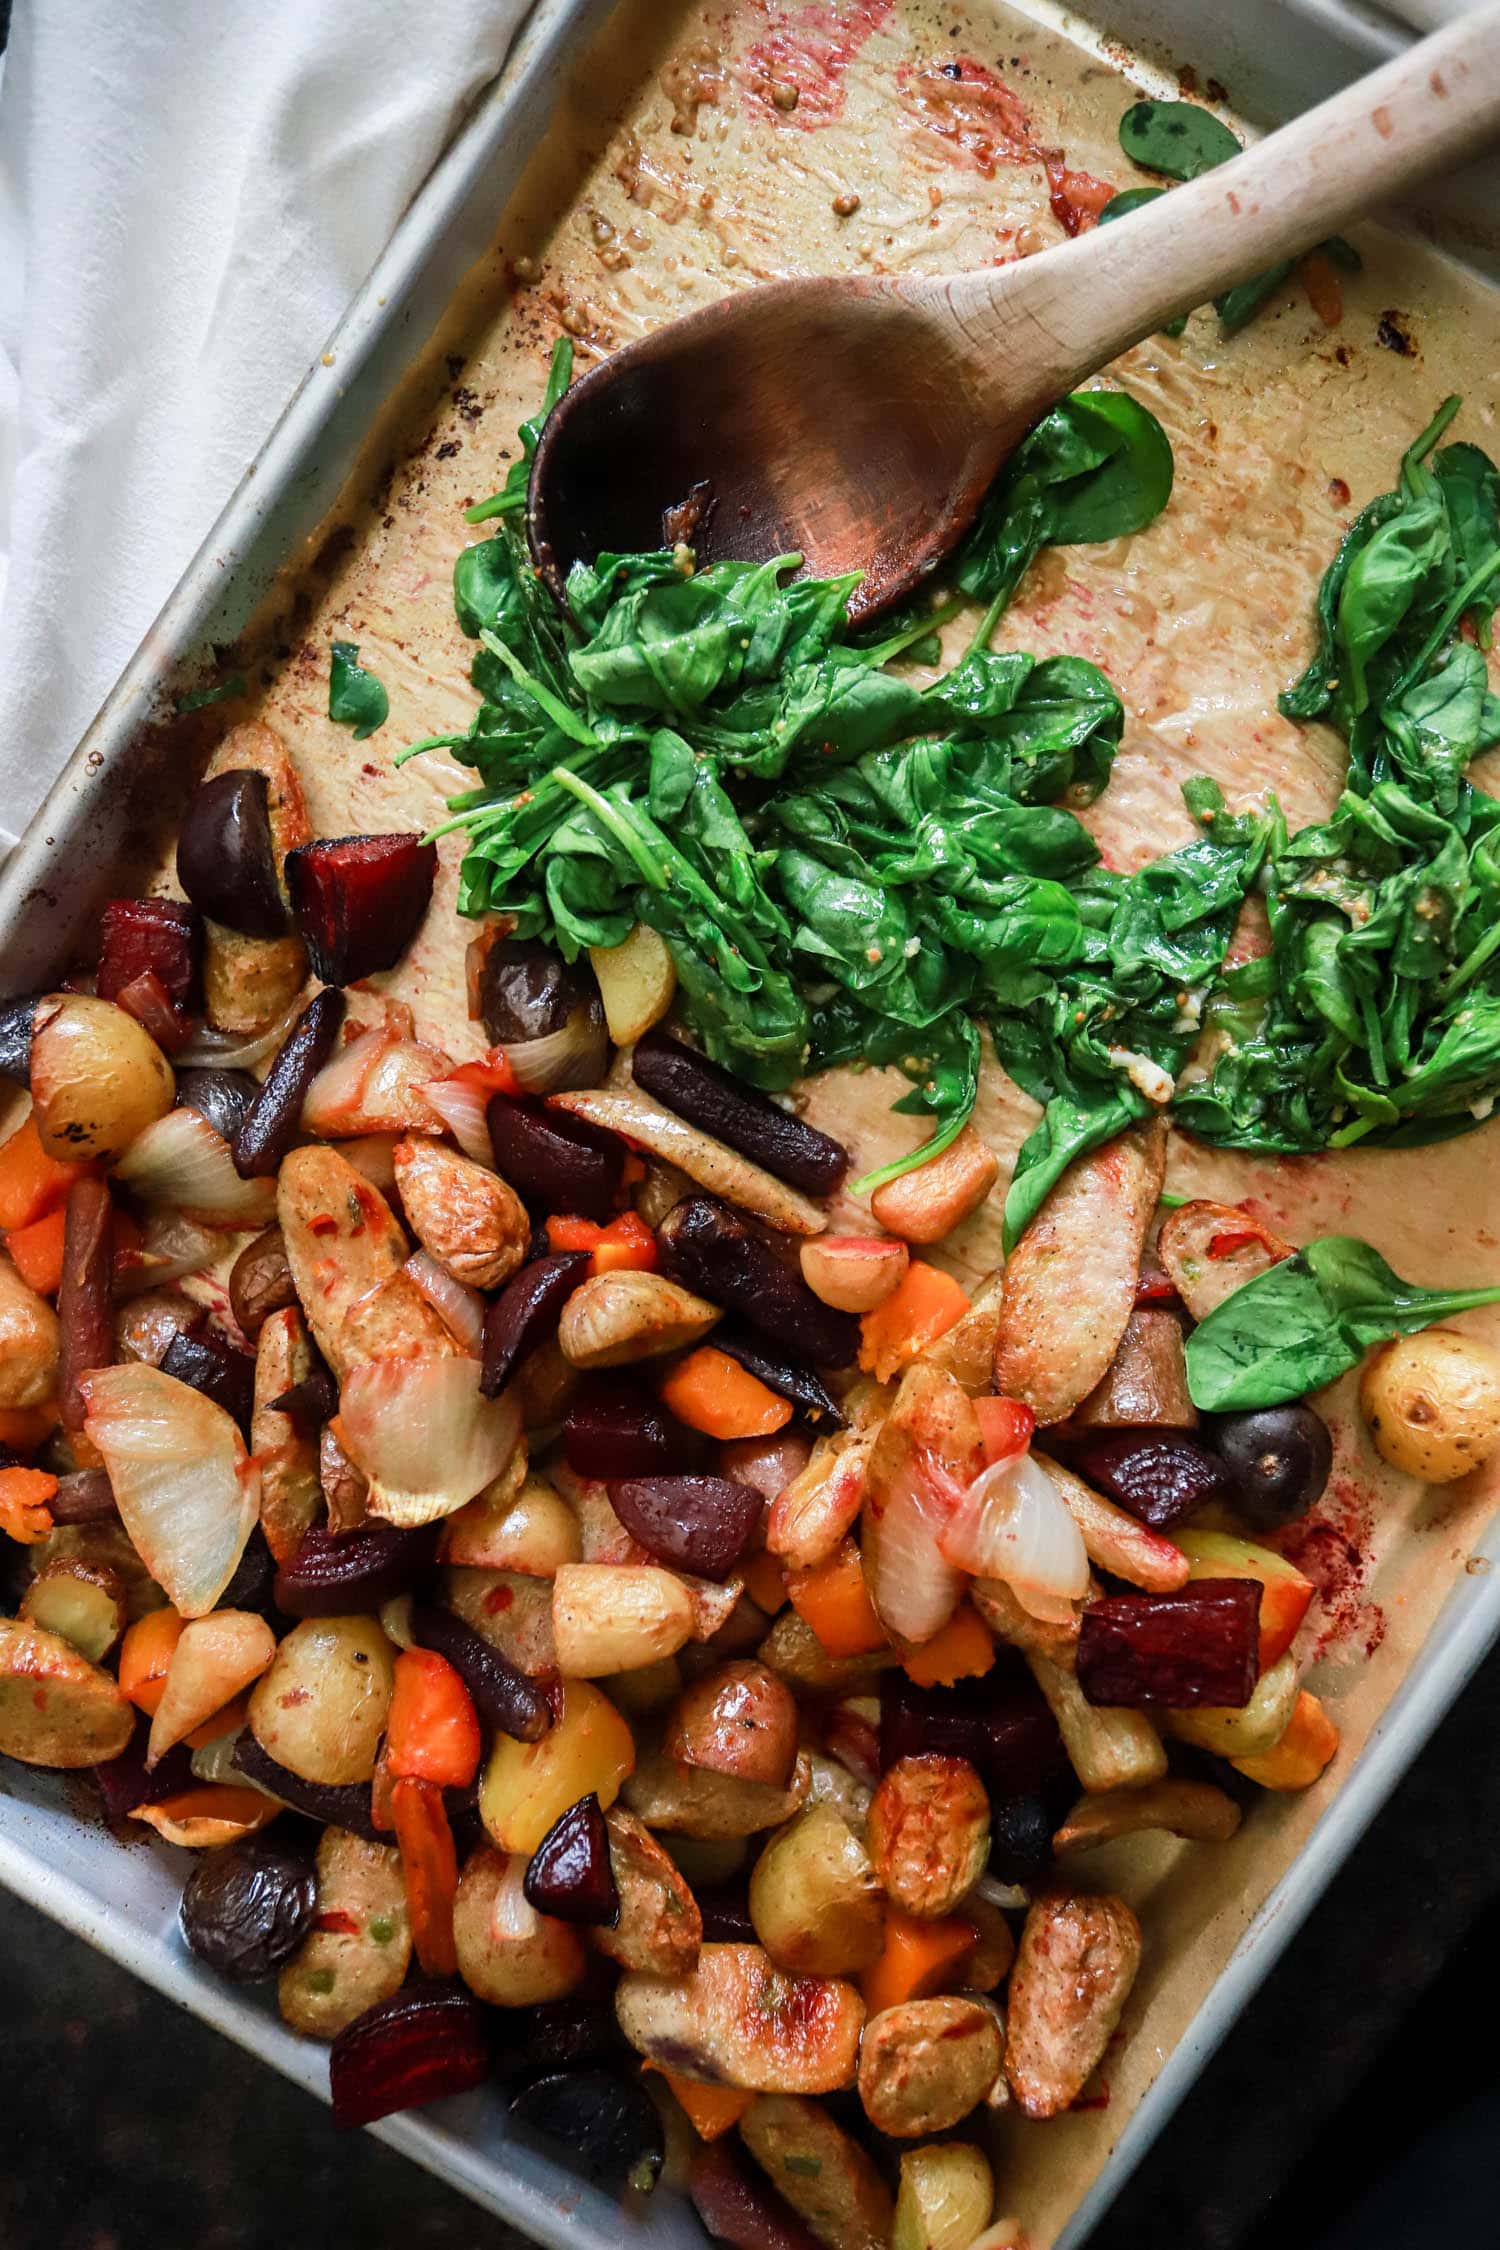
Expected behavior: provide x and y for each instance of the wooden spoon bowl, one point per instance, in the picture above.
(857, 423)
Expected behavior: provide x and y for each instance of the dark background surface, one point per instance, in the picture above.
(1354, 2107)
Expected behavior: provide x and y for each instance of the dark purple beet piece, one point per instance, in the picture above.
(725, 1908)
(141, 937)
(1000, 1723)
(85, 1297)
(526, 1313)
(124, 1782)
(271, 1122)
(221, 1097)
(697, 1524)
(247, 1907)
(567, 2034)
(780, 1372)
(569, 1874)
(1161, 1476)
(226, 859)
(738, 2204)
(358, 900)
(555, 1160)
(310, 1403)
(337, 1804)
(709, 1248)
(425, 2042)
(504, 1696)
(331, 1577)
(606, 2123)
(1177, 1651)
(211, 1364)
(615, 1427)
(711, 1098)
(84, 1496)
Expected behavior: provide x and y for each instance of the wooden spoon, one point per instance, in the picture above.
(858, 422)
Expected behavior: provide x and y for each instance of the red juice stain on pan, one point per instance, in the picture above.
(806, 48)
(966, 105)
(1330, 1546)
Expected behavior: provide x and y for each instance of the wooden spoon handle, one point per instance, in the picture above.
(1039, 329)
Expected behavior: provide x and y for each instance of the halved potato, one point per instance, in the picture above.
(57, 1709)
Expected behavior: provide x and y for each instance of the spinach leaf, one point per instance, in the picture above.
(1308, 1320)
(510, 500)
(1184, 141)
(355, 697)
(1178, 138)
(198, 699)
(1097, 467)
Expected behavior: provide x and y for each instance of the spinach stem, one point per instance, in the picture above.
(933, 622)
(562, 716)
(988, 622)
(610, 817)
(943, 1138)
(1474, 584)
(428, 742)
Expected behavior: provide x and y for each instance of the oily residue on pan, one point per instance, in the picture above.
(972, 110)
(1331, 1547)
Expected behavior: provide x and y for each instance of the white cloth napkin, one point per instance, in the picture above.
(190, 192)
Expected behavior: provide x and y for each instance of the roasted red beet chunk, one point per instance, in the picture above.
(569, 1874)
(1162, 1476)
(358, 900)
(426, 2041)
(140, 937)
(1200, 1645)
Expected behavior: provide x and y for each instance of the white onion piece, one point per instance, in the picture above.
(171, 1246)
(373, 1154)
(187, 1492)
(181, 1162)
(914, 1588)
(460, 1308)
(231, 1050)
(462, 1103)
(423, 1435)
(1013, 1523)
(374, 1085)
(560, 1061)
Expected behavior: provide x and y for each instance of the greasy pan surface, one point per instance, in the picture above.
(670, 175)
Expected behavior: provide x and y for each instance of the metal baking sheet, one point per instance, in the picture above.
(1278, 57)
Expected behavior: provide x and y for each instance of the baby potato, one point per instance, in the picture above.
(508, 1954)
(926, 2063)
(97, 1078)
(528, 1786)
(321, 1708)
(637, 983)
(946, 2196)
(1433, 1404)
(29, 1342)
(737, 1719)
(929, 1832)
(814, 1900)
(358, 1949)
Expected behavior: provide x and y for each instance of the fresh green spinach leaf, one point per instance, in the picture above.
(1308, 1320)
(510, 500)
(1178, 138)
(355, 697)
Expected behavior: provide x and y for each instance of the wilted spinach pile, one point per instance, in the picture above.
(848, 865)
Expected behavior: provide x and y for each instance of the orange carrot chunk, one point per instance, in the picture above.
(963, 1650)
(834, 1600)
(36, 1252)
(765, 1581)
(145, 1653)
(626, 1245)
(25, 1512)
(32, 1183)
(429, 1870)
(711, 2110)
(924, 1305)
(712, 1392)
(432, 1733)
(1295, 1762)
(916, 1959)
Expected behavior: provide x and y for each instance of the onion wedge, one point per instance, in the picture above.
(420, 1430)
(187, 1491)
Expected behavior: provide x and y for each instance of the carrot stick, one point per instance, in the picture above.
(568, 1233)
(145, 1653)
(36, 1252)
(963, 1650)
(924, 1305)
(432, 1733)
(429, 1869)
(765, 1581)
(1295, 1762)
(711, 2110)
(627, 1244)
(916, 1958)
(834, 1600)
(712, 1392)
(32, 1183)
(24, 1510)
(228, 1720)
